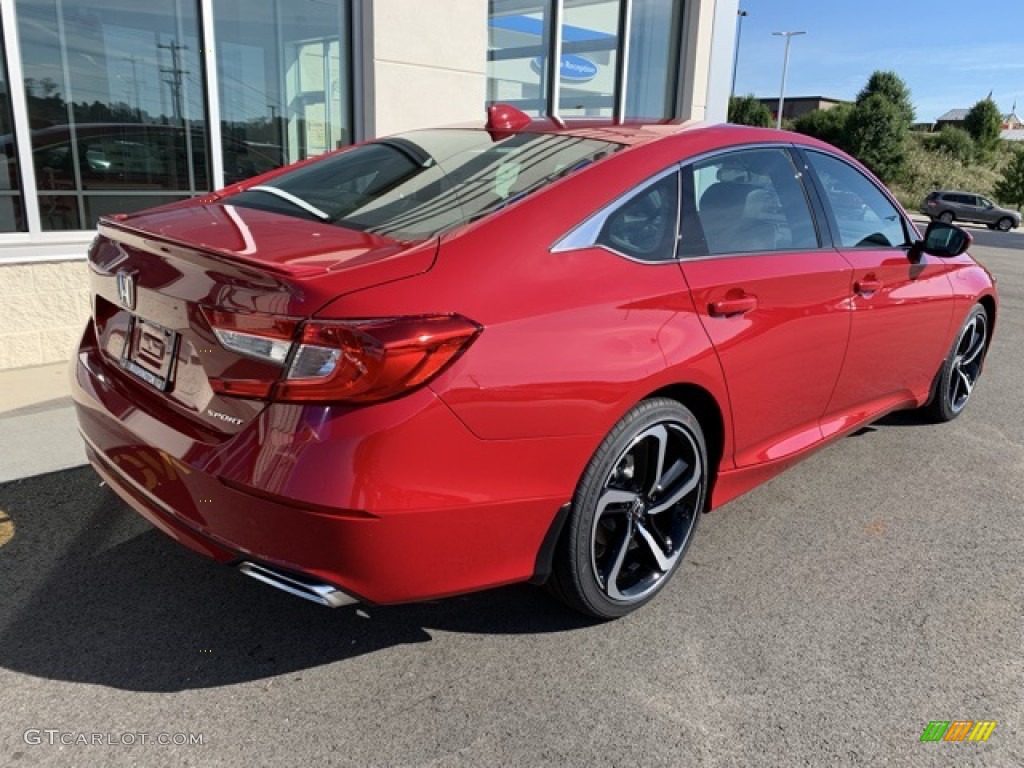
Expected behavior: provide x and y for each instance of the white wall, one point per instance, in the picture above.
(424, 63)
(709, 39)
(722, 58)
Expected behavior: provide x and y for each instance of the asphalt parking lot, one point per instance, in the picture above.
(823, 619)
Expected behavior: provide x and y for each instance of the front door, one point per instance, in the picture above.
(901, 309)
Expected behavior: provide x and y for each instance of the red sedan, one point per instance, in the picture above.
(458, 358)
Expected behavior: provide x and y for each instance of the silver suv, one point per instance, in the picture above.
(948, 206)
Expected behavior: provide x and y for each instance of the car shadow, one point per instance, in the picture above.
(907, 418)
(91, 593)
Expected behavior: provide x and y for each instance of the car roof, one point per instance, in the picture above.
(640, 131)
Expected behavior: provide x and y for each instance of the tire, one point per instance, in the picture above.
(626, 534)
(961, 369)
(946, 217)
(1005, 224)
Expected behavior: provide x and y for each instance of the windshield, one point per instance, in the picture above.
(414, 186)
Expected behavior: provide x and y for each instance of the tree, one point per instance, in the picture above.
(1010, 188)
(984, 123)
(877, 136)
(829, 125)
(955, 141)
(891, 87)
(748, 110)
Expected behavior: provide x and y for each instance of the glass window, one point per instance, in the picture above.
(590, 49)
(116, 102)
(12, 214)
(284, 82)
(746, 201)
(644, 227)
(413, 186)
(11, 202)
(652, 74)
(518, 35)
(865, 216)
(520, 38)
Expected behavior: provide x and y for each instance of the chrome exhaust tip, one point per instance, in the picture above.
(324, 594)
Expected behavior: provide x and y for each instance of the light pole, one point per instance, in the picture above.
(740, 15)
(785, 66)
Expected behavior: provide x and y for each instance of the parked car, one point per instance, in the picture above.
(949, 206)
(534, 351)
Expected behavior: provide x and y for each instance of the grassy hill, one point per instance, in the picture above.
(928, 169)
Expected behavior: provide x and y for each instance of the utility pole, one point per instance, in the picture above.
(740, 15)
(175, 77)
(133, 60)
(785, 67)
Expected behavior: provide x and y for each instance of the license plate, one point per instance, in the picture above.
(149, 352)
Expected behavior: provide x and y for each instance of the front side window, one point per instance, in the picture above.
(746, 201)
(866, 218)
(416, 185)
(117, 105)
(644, 226)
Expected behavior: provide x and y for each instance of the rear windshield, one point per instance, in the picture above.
(419, 184)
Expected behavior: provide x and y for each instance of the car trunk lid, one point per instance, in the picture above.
(156, 278)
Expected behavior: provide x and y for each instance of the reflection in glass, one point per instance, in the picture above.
(417, 185)
(283, 69)
(518, 37)
(590, 43)
(12, 218)
(115, 99)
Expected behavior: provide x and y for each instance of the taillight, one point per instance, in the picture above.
(264, 337)
(341, 360)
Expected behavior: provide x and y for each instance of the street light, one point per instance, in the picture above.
(740, 15)
(785, 66)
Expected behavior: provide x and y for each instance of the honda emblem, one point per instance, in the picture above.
(126, 289)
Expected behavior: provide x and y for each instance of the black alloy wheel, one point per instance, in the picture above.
(634, 511)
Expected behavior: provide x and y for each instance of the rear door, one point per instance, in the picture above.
(901, 308)
(771, 293)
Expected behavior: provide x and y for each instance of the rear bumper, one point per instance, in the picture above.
(390, 503)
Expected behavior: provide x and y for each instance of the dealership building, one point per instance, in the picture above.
(118, 105)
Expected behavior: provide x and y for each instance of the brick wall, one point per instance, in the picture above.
(43, 309)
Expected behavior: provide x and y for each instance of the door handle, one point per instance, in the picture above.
(737, 306)
(867, 286)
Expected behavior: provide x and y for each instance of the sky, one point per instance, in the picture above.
(950, 53)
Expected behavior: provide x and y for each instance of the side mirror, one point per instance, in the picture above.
(943, 240)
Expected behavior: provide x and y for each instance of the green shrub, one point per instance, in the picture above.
(1010, 188)
(877, 136)
(748, 110)
(984, 123)
(956, 142)
(826, 124)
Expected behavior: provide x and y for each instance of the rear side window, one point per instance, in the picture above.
(864, 215)
(644, 226)
(416, 185)
(744, 202)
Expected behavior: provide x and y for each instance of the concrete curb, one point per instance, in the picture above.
(37, 423)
